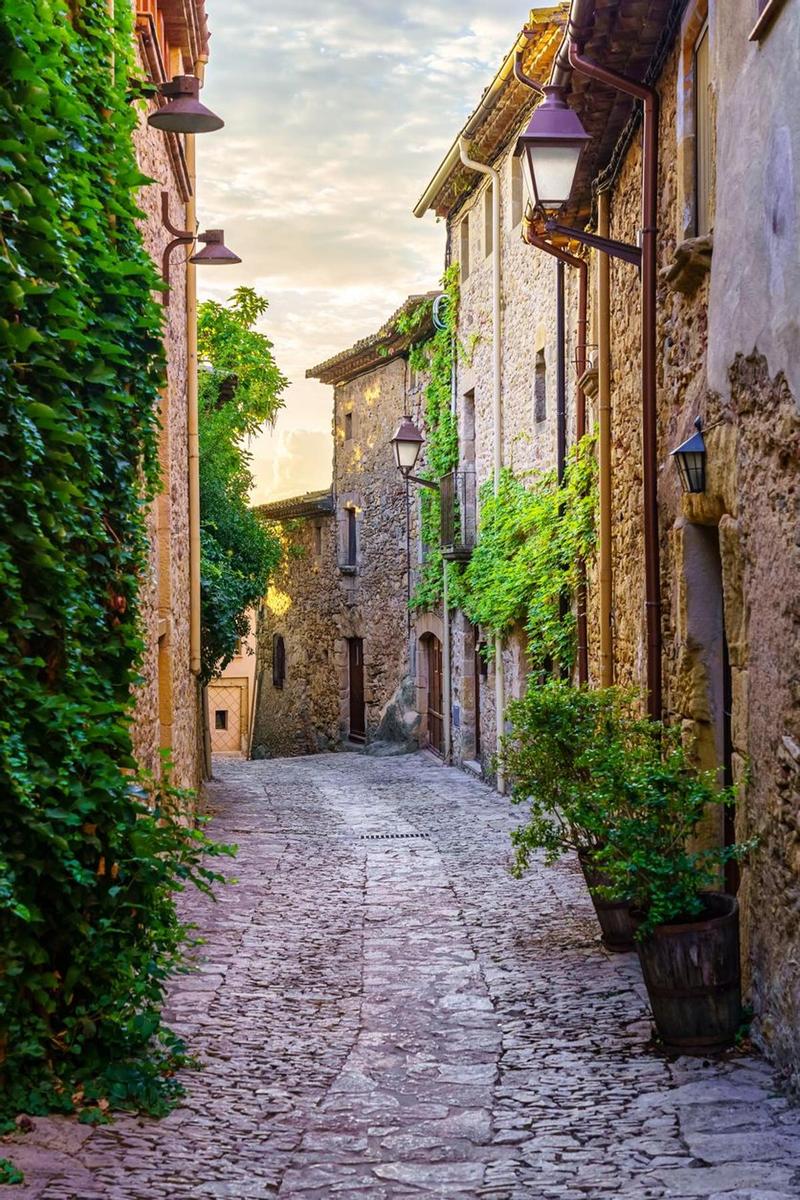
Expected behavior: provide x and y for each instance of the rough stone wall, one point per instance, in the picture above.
(374, 597)
(166, 713)
(729, 558)
(319, 602)
(302, 716)
(528, 320)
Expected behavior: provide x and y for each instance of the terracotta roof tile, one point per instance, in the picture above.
(379, 348)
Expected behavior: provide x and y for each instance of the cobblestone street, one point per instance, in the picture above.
(382, 1011)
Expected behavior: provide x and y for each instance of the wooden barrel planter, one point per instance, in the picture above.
(617, 924)
(693, 979)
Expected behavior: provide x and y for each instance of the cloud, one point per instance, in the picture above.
(336, 118)
(288, 463)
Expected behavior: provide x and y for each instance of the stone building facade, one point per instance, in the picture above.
(728, 351)
(529, 365)
(172, 39)
(333, 640)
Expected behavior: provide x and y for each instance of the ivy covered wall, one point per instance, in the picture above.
(87, 926)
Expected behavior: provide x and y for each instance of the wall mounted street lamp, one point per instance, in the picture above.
(551, 149)
(407, 443)
(690, 459)
(214, 253)
(184, 111)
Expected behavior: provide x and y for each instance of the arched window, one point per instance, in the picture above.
(278, 660)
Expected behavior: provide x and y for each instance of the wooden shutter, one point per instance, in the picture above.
(702, 136)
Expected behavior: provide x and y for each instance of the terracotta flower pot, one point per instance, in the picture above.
(693, 980)
(616, 921)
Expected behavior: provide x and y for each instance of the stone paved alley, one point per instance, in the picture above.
(384, 1012)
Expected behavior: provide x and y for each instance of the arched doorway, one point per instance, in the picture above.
(431, 648)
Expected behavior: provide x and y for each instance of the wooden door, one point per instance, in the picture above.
(435, 695)
(358, 724)
(226, 710)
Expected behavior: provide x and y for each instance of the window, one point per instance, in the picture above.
(488, 223)
(540, 388)
(278, 660)
(318, 540)
(352, 537)
(221, 718)
(348, 426)
(702, 136)
(516, 190)
(464, 248)
(468, 427)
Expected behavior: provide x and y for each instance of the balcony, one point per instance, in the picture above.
(457, 496)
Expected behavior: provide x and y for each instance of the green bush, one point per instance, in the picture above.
(240, 390)
(648, 858)
(619, 789)
(568, 756)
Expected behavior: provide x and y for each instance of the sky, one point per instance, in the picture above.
(336, 117)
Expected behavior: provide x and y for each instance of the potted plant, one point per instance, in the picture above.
(567, 755)
(688, 932)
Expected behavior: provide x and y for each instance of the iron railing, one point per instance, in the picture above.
(458, 506)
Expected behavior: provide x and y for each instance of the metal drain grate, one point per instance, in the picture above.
(383, 837)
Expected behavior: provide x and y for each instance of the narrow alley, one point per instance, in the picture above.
(382, 1011)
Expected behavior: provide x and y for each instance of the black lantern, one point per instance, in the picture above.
(406, 443)
(551, 148)
(690, 458)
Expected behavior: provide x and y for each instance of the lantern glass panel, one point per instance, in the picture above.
(553, 168)
(406, 453)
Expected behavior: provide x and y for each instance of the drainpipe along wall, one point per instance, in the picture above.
(652, 565)
(193, 436)
(497, 415)
(605, 579)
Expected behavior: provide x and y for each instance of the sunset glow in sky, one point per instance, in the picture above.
(336, 116)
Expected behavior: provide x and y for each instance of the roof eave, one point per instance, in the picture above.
(538, 16)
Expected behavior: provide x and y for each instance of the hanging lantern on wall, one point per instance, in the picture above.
(690, 459)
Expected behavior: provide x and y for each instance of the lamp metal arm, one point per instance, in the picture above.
(623, 250)
(428, 483)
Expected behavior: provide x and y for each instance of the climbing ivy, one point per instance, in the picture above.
(523, 570)
(434, 356)
(89, 860)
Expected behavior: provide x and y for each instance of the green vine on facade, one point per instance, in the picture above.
(524, 569)
(89, 858)
(435, 357)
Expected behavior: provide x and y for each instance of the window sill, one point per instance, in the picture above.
(765, 18)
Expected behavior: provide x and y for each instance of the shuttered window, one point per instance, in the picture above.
(352, 542)
(702, 136)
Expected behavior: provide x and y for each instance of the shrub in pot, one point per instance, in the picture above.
(688, 932)
(568, 756)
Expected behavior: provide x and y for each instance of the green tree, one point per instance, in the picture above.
(240, 390)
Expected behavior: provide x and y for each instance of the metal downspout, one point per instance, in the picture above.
(652, 566)
(497, 414)
(605, 568)
(561, 375)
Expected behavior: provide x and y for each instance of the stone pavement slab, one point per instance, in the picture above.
(383, 1012)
